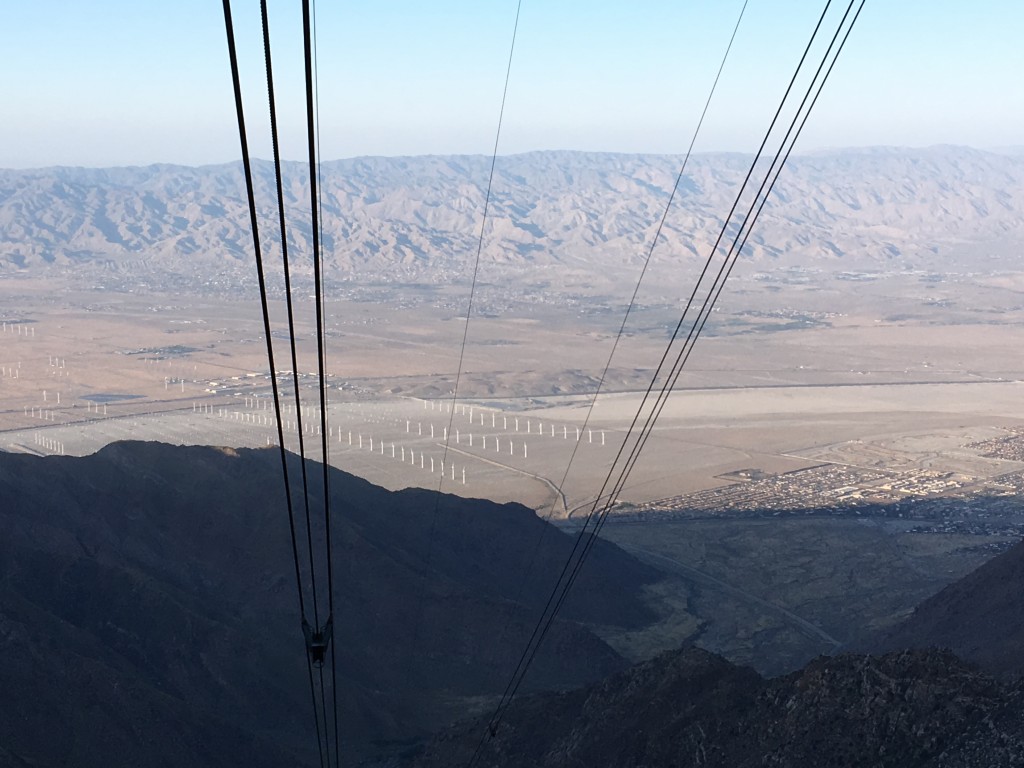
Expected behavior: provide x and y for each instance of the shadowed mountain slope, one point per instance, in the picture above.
(919, 709)
(916, 706)
(980, 617)
(148, 609)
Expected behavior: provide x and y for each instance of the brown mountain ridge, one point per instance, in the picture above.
(416, 218)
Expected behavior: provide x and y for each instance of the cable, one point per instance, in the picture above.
(288, 299)
(747, 224)
(246, 165)
(707, 264)
(625, 319)
(321, 351)
(636, 291)
(731, 259)
(480, 240)
(263, 288)
(312, 693)
(654, 242)
(316, 110)
(465, 331)
(732, 255)
(737, 245)
(325, 415)
(648, 424)
(715, 291)
(322, 747)
(317, 279)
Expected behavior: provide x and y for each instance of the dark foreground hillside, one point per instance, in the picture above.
(912, 709)
(921, 708)
(148, 613)
(981, 617)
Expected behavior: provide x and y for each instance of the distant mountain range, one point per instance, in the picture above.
(417, 218)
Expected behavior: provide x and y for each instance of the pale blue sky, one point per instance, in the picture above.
(115, 82)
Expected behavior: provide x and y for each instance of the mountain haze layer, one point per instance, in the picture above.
(417, 218)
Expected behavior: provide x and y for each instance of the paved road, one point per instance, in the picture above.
(554, 488)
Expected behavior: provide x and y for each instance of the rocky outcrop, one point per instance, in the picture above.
(912, 709)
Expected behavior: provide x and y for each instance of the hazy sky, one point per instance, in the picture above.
(116, 82)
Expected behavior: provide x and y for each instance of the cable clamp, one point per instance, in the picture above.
(318, 641)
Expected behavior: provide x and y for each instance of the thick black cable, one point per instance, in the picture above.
(246, 165)
(317, 278)
(707, 265)
(629, 307)
(552, 598)
(321, 349)
(745, 228)
(674, 375)
(318, 289)
(316, 111)
(716, 290)
(760, 198)
(320, 736)
(303, 460)
(325, 416)
(323, 706)
(278, 177)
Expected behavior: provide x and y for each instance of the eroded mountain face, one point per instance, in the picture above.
(416, 218)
